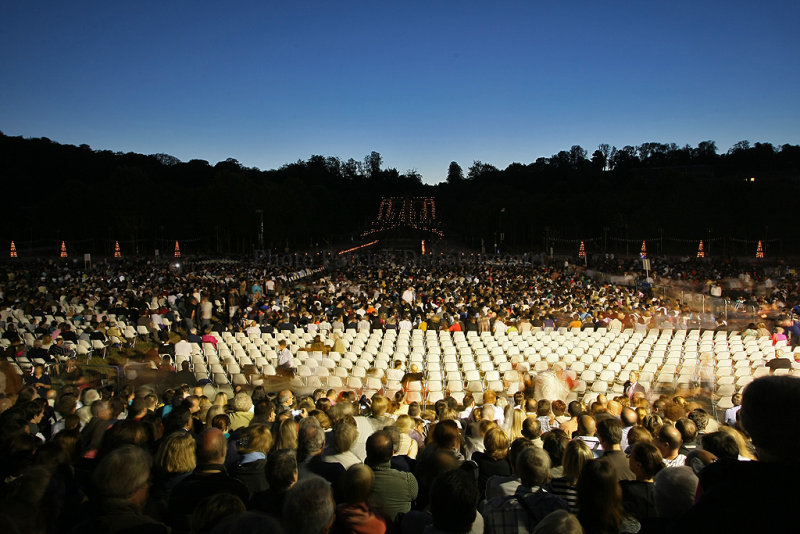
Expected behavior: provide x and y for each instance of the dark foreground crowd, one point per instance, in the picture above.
(193, 461)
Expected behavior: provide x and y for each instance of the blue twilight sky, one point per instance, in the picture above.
(423, 83)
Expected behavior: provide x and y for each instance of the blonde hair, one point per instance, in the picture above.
(286, 436)
(517, 418)
(404, 423)
(575, 457)
(213, 411)
(740, 441)
(221, 399)
(255, 438)
(176, 454)
(496, 443)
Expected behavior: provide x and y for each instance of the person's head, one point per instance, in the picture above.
(533, 467)
(687, 428)
(674, 491)
(309, 507)
(123, 474)
(495, 443)
(559, 522)
(575, 408)
(255, 438)
(221, 399)
(446, 435)
(576, 455)
(356, 483)
(310, 439)
(543, 408)
(489, 397)
(345, 433)
(554, 444)
(379, 448)
(531, 427)
(721, 445)
(242, 402)
(668, 440)
(380, 405)
(559, 408)
(281, 470)
(214, 509)
(652, 422)
(700, 419)
(600, 496)
(211, 447)
(645, 460)
(454, 501)
(609, 432)
(176, 454)
(774, 439)
(517, 446)
(628, 417)
(586, 425)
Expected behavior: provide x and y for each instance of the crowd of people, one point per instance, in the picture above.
(186, 457)
(191, 460)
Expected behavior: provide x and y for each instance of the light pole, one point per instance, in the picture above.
(260, 229)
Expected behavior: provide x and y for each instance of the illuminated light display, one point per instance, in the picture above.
(643, 252)
(582, 251)
(760, 251)
(13, 253)
(700, 252)
(359, 247)
(63, 250)
(422, 246)
(417, 213)
(177, 250)
(117, 253)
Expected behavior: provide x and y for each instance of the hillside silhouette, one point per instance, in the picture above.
(611, 198)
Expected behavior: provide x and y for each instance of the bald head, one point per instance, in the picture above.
(586, 425)
(379, 448)
(669, 439)
(614, 408)
(211, 447)
(628, 417)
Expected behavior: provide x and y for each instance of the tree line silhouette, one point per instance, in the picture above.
(611, 198)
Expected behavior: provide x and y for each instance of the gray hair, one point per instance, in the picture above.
(309, 506)
(122, 472)
(675, 488)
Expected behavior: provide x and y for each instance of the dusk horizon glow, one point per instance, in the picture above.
(422, 84)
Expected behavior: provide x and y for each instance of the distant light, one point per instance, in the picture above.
(752, 179)
(177, 265)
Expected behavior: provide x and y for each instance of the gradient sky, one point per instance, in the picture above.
(423, 83)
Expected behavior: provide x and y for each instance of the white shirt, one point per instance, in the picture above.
(730, 415)
(183, 348)
(285, 358)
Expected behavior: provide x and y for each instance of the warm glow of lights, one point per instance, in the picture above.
(63, 250)
(365, 245)
(177, 250)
